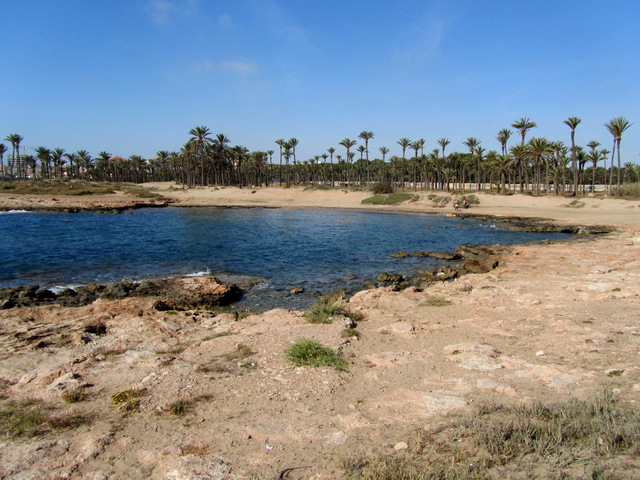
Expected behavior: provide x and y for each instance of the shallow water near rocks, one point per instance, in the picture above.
(273, 250)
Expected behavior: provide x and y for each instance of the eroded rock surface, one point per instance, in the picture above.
(213, 396)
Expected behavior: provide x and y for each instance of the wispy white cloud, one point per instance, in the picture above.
(234, 67)
(225, 21)
(161, 11)
(423, 41)
(204, 66)
(239, 68)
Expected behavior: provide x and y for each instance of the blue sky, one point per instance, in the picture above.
(134, 76)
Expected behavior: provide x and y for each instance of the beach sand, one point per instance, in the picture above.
(554, 321)
(588, 211)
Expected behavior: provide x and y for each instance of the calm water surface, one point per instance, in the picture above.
(319, 250)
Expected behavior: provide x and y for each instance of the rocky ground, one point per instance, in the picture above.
(126, 391)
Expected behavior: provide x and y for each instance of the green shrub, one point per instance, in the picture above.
(73, 395)
(180, 407)
(310, 353)
(350, 333)
(323, 310)
(629, 190)
(390, 199)
(436, 302)
(382, 188)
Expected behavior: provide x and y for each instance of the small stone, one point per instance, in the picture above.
(401, 446)
(541, 353)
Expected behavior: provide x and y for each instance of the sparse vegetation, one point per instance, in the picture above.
(231, 363)
(575, 204)
(73, 395)
(30, 418)
(382, 188)
(564, 440)
(389, 199)
(436, 302)
(628, 190)
(323, 310)
(180, 407)
(326, 309)
(59, 187)
(311, 353)
(127, 400)
(350, 333)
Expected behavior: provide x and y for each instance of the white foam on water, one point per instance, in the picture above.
(204, 273)
(11, 212)
(59, 288)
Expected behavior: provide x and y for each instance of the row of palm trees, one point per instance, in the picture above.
(533, 166)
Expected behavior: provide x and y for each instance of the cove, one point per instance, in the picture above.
(272, 249)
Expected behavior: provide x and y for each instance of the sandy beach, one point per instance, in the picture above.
(554, 321)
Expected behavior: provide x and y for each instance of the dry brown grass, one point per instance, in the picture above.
(598, 438)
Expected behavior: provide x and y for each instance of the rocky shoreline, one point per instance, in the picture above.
(179, 293)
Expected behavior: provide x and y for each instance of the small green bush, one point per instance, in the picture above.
(390, 199)
(323, 310)
(73, 395)
(436, 302)
(180, 407)
(350, 333)
(311, 353)
(382, 188)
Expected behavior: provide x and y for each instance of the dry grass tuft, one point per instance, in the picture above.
(596, 438)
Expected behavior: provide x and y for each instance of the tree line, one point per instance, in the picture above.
(535, 165)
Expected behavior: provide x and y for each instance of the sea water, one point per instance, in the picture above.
(272, 250)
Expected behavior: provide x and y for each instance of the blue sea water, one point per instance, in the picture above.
(319, 250)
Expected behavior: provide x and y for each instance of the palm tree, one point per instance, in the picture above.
(331, 151)
(104, 164)
(422, 143)
(617, 126)
(523, 125)
(294, 143)
(472, 143)
(573, 122)
(3, 150)
(540, 151)
(280, 143)
(44, 156)
(383, 151)
(559, 158)
(29, 161)
(201, 139)
(348, 143)
(84, 161)
(519, 154)
(366, 136)
(15, 140)
(443, 142)
(502, 164)
(57, 160)
(404, 143)
(72, 158)
(416, 146)
(503, 137)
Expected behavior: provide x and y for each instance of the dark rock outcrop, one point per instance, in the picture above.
(478, 258)
(181, 293)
